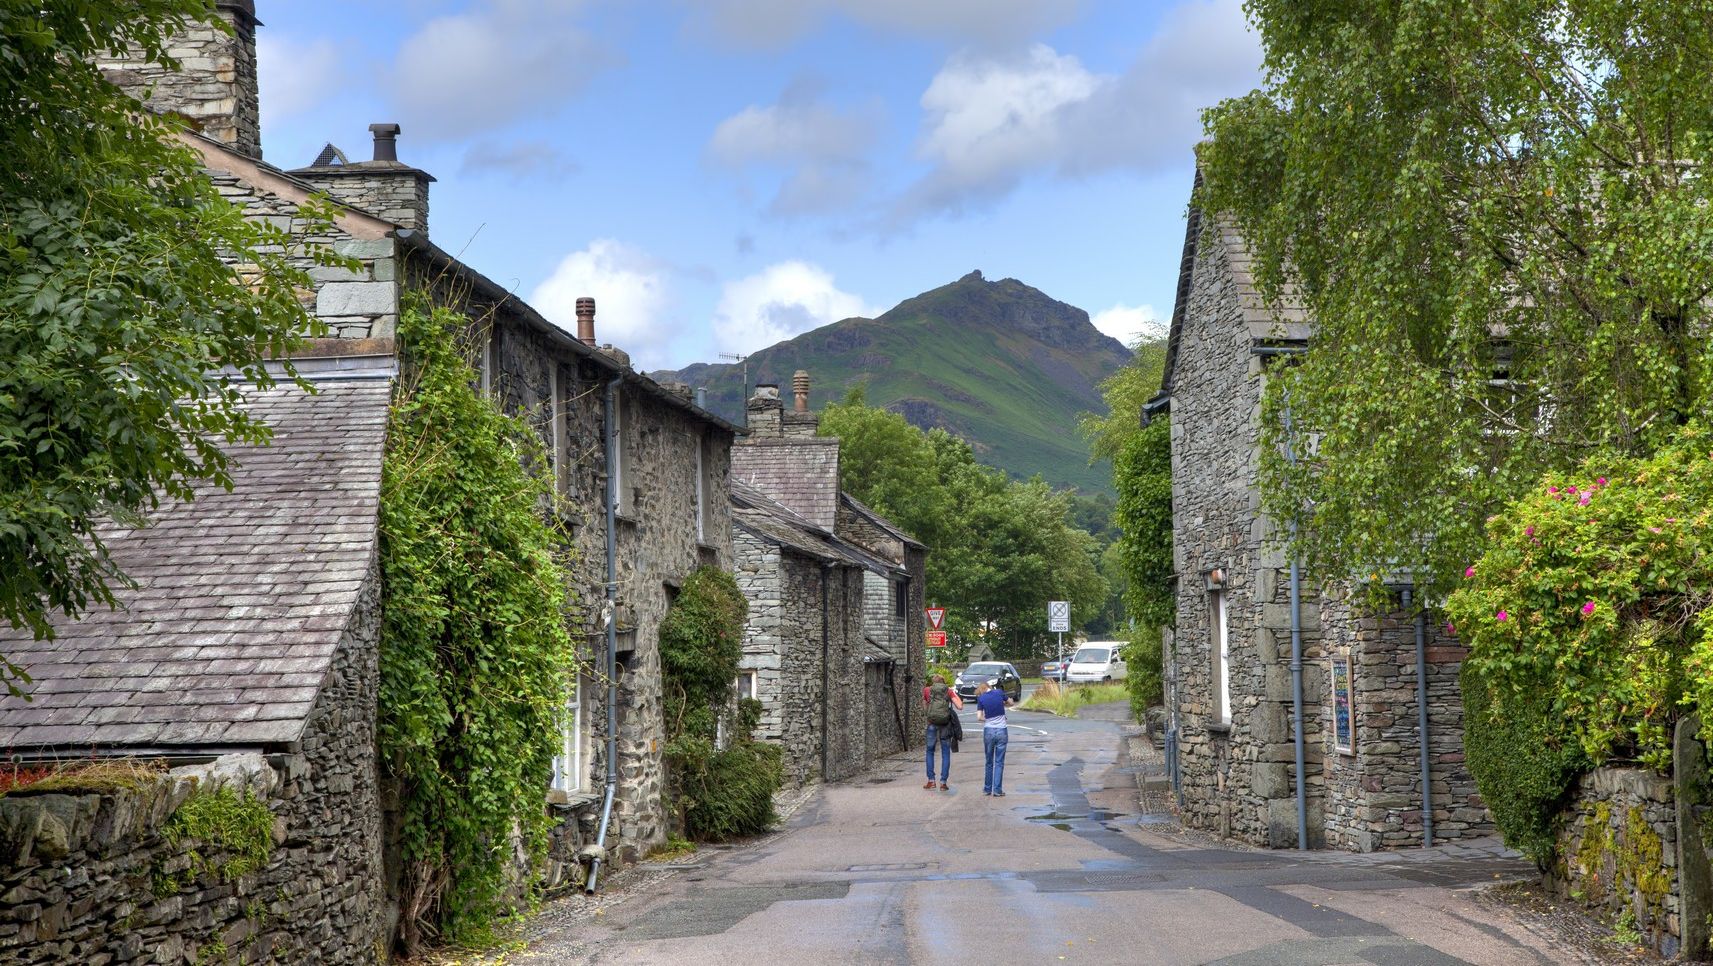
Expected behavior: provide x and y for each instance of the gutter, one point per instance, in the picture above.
(610, 431)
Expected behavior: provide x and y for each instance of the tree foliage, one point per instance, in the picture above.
(1590, 625)
(1497, 218)
(476, 660)
(999, 549)
(120, 296)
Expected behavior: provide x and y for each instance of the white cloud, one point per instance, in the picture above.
(493, 64)
(1128, 323)
(822, 149)
(296, 76)
(991, 120)
(631, 294)
(771, 23)
(523, 161)
(779, 302)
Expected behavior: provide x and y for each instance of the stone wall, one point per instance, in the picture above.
(1617, 847)
(215, 87)
(354, 304)
(1373, 798)
(389, 190)
(656, 535)
(1237, 781)
(91, 877)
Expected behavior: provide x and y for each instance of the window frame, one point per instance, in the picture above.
(571, 765)
(1219, 648)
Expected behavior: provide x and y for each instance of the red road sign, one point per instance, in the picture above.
(936, 638)
(936, 617)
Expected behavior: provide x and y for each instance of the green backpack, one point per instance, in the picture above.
(939, 707)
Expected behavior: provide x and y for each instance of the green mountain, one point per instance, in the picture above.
(999, 364)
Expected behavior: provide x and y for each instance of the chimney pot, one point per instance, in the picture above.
(800, 390)
(586, 320)
(386, 141)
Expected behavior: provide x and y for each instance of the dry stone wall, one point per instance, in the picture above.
(1617, 846)
(94, 877)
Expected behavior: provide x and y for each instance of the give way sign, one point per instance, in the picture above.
(936, 617)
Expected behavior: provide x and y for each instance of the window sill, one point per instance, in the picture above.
(1219, 729)
(571, 801)
(626, 518)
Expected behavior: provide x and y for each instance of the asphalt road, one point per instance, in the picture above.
(1063, 869)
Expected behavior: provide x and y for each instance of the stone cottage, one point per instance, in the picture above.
(833, 648)
(246, 653)
(606, 428)
(1229, 680)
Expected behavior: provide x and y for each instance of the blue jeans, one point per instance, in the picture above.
(934, 738)
(993, 742)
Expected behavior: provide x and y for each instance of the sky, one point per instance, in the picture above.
(725, 174)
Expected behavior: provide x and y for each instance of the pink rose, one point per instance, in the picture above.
(1602, 481)
(1553, 490)
(1451, 628)
(1503, 616)
(1583, 501)
(1588, 609)
(1528, 531)
(1469, 573)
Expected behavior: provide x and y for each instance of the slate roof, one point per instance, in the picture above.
(1286, 322)
(241, 596)
(802, 473)
(769, 520)
(883, 523)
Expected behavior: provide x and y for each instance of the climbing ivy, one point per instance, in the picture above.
(716, 792)
(476, 660)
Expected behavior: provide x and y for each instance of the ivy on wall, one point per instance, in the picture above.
(716, 792)
(1142, 471)
(1590, 628)
(476, 661)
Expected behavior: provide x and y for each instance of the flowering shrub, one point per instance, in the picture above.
(1592, 600)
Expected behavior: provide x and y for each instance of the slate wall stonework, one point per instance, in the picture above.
(216, 87)
(1237, 781)
(90, 878)
(1617, 846)
(1374, 792)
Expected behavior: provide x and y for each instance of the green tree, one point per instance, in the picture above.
(1496, 216)
(119, 301)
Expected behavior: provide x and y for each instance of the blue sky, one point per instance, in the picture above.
(723, 174)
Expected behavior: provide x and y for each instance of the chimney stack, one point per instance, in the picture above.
(764, 412)
(215, 91)
(386, 141)
(586, 321)
(383, 187)
(800, 390)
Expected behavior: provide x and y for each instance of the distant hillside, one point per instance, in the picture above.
(997, 363)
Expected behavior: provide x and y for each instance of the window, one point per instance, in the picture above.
(620, 504)
(901, 600)
(1220, 647)
(745, 685)
(568, 765)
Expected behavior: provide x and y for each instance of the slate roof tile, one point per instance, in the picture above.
(801, 473)
(241, 596)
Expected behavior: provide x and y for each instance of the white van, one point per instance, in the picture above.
(1097, 661)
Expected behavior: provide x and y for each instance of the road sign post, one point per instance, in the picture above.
(1059, 621)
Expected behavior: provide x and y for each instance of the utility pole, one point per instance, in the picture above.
(743, 397)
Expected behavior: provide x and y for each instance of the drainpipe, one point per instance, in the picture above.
(1422, 720)
(612, 447)
(1297, 659)
(826, 742)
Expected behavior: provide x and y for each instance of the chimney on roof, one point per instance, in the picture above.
(800, 390)
(383, 186)
(800, 421)
(216, 88)
(764, 412)
(586, 320)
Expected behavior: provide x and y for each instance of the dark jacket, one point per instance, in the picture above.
(953, 731)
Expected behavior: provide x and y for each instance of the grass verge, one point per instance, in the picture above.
(1065, 701)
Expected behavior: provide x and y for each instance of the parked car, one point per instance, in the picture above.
(1054, 670)
(1004, 676)
(1097, 661)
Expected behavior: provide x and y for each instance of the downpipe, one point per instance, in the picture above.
(1297, 659)
(826, 608)
(1422, 721)
(611, 615)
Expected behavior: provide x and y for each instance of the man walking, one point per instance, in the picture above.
(941, 702)
(990, 704)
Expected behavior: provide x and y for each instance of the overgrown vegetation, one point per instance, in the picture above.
(1590, 628)
(476, 661)
(1066, 701)
(236, 827)
(715, 792)
(120, 296)
(96, 775)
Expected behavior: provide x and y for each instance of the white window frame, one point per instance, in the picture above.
(620, 504)
(701, 490)
(570, 766)
(1220, 648)
(754, 680)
